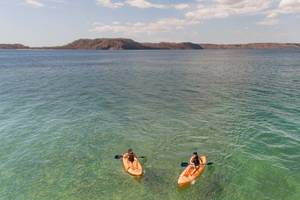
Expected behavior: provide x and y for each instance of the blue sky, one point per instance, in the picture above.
(56, 22)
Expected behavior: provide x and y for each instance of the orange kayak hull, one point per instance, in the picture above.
(187, 176)
(134, 169)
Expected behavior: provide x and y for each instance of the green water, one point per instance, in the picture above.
(65, 114)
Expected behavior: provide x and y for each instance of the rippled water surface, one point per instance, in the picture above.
(65, 114)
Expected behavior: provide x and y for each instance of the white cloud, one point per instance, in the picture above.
(181, 6)
(289, 6)
(34, 3)
(42, 3)
(110, 3)
(284, 7)
(162, 25)
(144, 4)
(226, 8)
(203, 10)
(140, 4)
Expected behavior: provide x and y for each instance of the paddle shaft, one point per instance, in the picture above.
(185, 164)
(121, 156)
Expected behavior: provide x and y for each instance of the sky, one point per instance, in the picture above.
(57, 22)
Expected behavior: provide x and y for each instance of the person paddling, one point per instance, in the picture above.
(195, 162)
(131, 158)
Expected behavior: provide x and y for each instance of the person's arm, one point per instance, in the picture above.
(135, 156)
(191, 160)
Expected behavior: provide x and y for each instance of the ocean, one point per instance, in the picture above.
(64, 115)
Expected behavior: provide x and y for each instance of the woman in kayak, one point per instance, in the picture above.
(195, 161)
(131, 158)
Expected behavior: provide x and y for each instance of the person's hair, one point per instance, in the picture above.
(195, 153)
(129, 150)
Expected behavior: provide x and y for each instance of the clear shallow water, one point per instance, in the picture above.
(65, 114)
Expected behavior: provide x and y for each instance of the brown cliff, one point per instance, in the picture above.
(13, 46)
(124, 44)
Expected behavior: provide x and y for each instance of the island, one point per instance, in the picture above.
(129, 44)
(13, 46)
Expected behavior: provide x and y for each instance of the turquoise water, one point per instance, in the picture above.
(65, 114)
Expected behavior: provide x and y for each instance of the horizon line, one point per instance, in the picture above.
(124, 38)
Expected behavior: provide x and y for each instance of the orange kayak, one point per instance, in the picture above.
(135, 168)
(186, 177)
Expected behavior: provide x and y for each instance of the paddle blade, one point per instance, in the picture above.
(118, 156)
(209, 163)
(184, 164)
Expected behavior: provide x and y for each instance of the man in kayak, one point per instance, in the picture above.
(195, 162)
(131, 158)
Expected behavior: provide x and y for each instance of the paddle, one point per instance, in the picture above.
(185, 164)
(121, 156)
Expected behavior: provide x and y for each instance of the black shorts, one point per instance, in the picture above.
(131, 158)
(196, 163)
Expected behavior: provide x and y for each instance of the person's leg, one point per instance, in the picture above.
(195, 169)
(128, 164)
(131, 165)
(136, 163)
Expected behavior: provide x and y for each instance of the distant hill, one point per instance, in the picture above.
(13, 46)
(122, 43)
(104, 44)
(129, 44)
(252, 46)
(171, 45)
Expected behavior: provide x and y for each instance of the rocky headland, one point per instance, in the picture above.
(129, 44)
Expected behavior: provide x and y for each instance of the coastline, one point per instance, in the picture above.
(129, 44)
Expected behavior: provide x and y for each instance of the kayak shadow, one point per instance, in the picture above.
(139, 178)
(185, 186)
